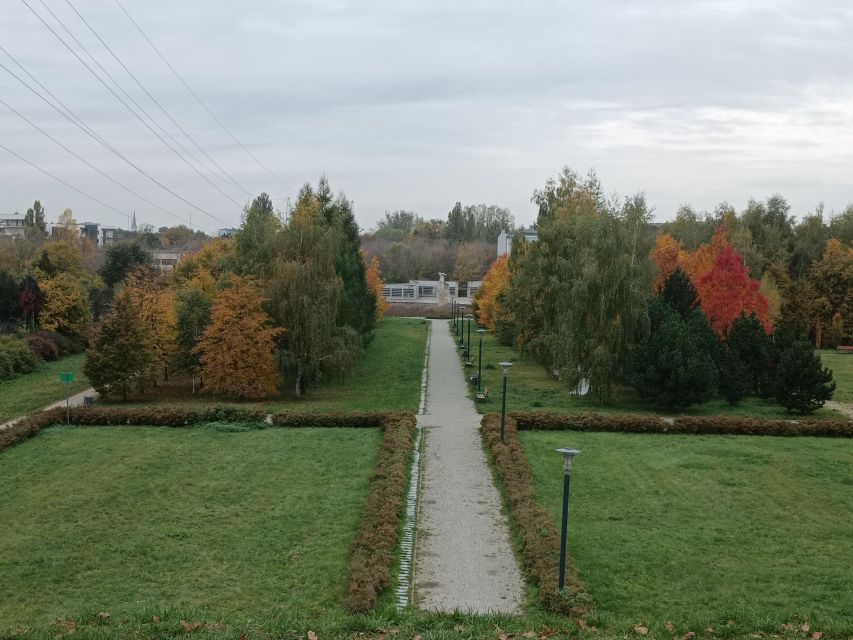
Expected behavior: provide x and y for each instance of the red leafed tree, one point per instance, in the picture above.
(727, 291)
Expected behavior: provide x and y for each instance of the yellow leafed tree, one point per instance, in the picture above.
(375, 284)
(495, 282)
(236, 349)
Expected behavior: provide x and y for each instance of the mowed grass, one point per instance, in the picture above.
(703, 530)
(531, 388)
(40, 388)
(388, 378)
(147, 520)
(842, 372)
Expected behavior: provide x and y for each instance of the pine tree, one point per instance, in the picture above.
(734, 381)
(802, 383)
(122, 356)
(679, 292)
(754, 349)
(255, 241)
(236, 348)
(670, 368)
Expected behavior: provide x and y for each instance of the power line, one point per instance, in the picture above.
(67, 184)
(87, 163)
(227, 175)
(118, 97)
(79, 123)
(199, 100)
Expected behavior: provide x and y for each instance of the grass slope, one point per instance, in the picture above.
(40, 388)
(129, 520)
(700, 530)
(842, 372)
(530, 388)
(388, 378)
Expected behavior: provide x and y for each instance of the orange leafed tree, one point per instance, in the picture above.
(666, 256)
(494, 283)
(375, 284)
(698, 263)
(236, 349)
(727, 291)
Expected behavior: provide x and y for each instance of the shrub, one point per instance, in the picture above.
(754, 348)
(18, 354)
(49, 345)
(670, 369)
(802, 383)
(7, 366)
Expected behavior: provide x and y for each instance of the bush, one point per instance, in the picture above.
(734, 381)
(754, 348)
(802, 383)
(22, 359)
(49, 345)
(670, 369)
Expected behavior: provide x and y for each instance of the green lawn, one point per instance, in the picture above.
(35, 390)
(842, 371)
(530, 388)
(387, 378)
(147, 521)
(701, 530)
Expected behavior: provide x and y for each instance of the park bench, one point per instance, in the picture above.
(469, 362)
(844, 348)
(483, 395)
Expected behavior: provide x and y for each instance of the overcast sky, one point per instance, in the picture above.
(417, 104)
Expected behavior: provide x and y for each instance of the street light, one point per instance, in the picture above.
(468, 348)
(568, 457)
(505, 366)
(480, 332)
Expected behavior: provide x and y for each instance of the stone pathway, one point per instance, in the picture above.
(842, 407)
(465, 559)
(75, 401)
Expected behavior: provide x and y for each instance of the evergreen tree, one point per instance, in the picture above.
(192, 315)
(754, 349)
(670, 369)
(121, 259)
(802, 383)
(255, 241)
(9, 308)
(733, 381)
(34, 225)
(679, 292)
(122, 356)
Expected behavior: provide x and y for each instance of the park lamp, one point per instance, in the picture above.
(505, 366)
(568, 457)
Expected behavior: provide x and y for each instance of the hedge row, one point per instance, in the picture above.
(718, 425)
(373, 553)
(540, 540)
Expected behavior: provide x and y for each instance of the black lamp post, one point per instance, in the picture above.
(480, 332)
(468, 348)
(505, 366)
(453, 314)
(568, 457)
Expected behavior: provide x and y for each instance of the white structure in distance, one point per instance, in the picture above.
(505, 239)
(429, 291)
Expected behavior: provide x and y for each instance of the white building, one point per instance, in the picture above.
(505, 239)
(12, 225)
(426, 291)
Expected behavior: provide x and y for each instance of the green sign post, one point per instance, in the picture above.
(66, 378)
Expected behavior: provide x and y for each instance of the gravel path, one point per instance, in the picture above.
(843, 407)
(465, 559)
(75, 401)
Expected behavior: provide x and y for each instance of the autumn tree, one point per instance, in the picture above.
(495, 283)
(832, 276)
(66, 307)
(66, 227)
(122, 259)
(375, 284)
(58, 256)
(236, 348)
(726, 291)
(122, 356)
(666, 255)
(157, 312)
(193, 310)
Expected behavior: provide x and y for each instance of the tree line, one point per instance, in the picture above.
(715, 304)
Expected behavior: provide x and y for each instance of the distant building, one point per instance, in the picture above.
(110, 235)
(166, 260)
(225, 233)
(505, 239)
(426, 291)
(12, 225)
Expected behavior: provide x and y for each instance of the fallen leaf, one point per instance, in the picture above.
(688, 635)
(640, 629)
(817, 635)
(191, 626)
(68, 625)
(709, 630)
(547, 632)
(806, 627)
(530, 634)
(312, 635)
(669, 626)
(582, 625)
(459, 627)
(242, 636)
(155, 618)
(103, 615)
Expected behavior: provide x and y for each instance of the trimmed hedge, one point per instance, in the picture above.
(374, 550)
(711, 425)
(540, 540)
